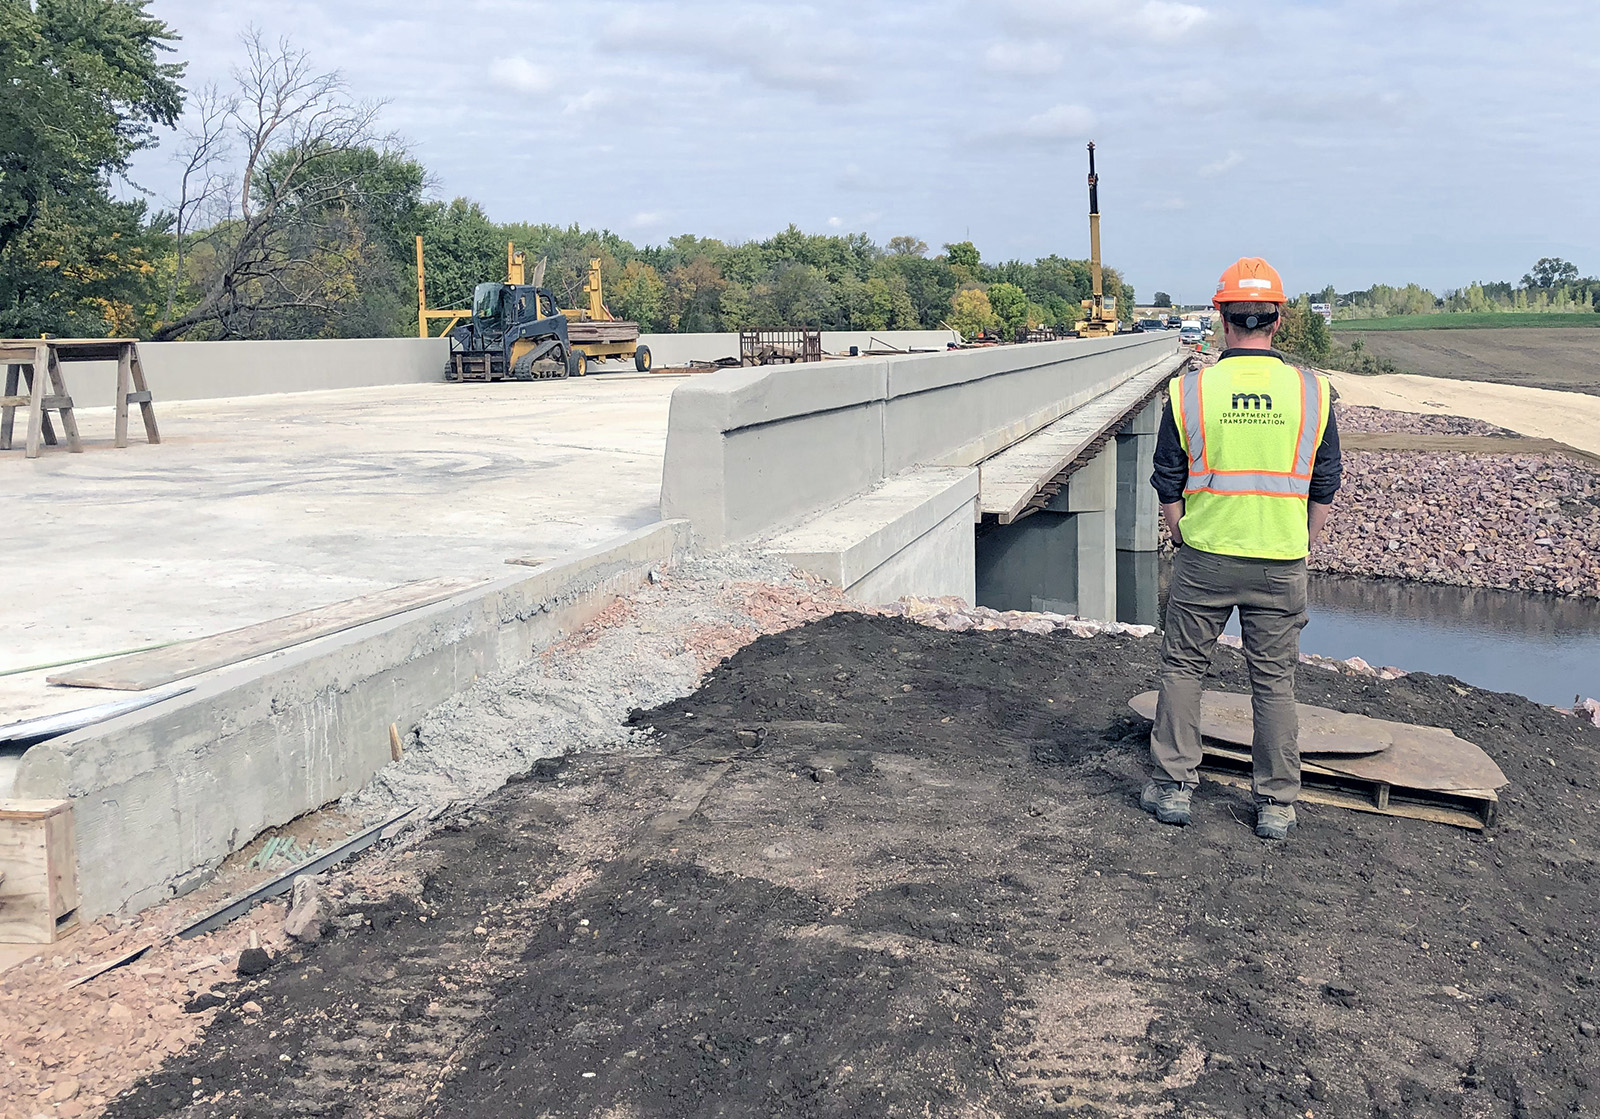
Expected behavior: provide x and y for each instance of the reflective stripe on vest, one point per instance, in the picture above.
(1269, 483)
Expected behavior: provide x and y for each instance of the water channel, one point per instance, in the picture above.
(1544, 647)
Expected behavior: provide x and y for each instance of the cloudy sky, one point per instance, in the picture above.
(1348, 141)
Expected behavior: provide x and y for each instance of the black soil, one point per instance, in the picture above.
(880, 869)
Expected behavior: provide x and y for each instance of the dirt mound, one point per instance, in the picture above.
(882, 869)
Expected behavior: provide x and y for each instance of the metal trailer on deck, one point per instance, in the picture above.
(600, 336)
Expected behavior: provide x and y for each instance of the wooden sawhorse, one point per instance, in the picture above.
(36, 359)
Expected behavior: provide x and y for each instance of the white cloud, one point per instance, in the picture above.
(1022, 59)
(1158, 21)
(517, 75)
(586, 102)
(1060, 122)
(835, 223)
(1167, 20)
(781, 47)
(1221, 166)
(730, 118)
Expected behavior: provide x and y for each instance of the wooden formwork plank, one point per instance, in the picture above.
(140, 671)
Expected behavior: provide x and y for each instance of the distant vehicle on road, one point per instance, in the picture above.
(1192, 333)
(1174, 322)
(1148, 325)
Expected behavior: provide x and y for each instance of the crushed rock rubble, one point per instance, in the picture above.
(955, 615)
(1353, 418)
(651, 646)
(1511, 522)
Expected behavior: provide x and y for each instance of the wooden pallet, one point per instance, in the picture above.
(1463, 808)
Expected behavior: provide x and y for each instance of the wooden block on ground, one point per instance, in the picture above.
(39, 858)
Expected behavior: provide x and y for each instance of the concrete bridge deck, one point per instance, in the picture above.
(257, 507)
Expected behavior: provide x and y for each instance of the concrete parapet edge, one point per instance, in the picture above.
(901, 517)
(173, 789)
(751, 451)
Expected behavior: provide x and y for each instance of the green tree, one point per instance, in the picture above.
(1010, 306)
(85, 270)
(963, 260)
(694, 296)
(907, 246)
(1161, 299)
(1549, 272)
(803, 297)
(971, 313)
(1304, 333)
(639, 295)
(461, 248)
(83, 90)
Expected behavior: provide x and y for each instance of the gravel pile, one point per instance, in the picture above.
(1513, 522)
(651, 646)
(1355, 418)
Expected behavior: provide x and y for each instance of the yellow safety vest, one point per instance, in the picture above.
(1251, 427)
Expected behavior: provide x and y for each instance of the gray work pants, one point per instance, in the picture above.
(1271, 598)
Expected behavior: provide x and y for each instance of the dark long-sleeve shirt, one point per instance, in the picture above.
(1172, 461)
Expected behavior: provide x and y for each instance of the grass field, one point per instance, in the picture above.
(1464, 321)
(1566, 360)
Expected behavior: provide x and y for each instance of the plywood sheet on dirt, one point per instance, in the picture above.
(139, 671)
(1398, 754)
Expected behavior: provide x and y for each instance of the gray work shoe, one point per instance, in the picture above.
(1168, 801)
(1273, 821)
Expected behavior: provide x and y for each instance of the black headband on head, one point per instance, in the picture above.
(1252, 320)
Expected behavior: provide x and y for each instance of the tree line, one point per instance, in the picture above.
(296, 214)
(1552, 285)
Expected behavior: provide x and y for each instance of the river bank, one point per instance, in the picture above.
(1523, 522)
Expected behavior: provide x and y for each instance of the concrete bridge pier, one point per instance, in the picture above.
(1063, 557)
(1138, 511)
(1138, 519)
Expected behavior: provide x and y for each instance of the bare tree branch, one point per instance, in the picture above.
(290, 122)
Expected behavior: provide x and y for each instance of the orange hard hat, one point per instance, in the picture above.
(1249, 280)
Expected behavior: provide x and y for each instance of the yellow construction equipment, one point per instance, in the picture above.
(598, 333)
(423, 314)
(514, 330)
(1101, 318)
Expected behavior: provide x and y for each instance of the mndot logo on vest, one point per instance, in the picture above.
(1257, 409)
(1251, 425)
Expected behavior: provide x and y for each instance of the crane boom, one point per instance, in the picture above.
(1097, 323)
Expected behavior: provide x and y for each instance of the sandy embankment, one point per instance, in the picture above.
(1571, 417)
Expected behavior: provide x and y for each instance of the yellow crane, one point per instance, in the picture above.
(1101, 318)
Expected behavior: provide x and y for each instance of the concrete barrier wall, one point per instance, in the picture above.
(753, 450)
(207, 370)
(171, 790)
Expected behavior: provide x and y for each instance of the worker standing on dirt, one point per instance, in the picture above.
(1246, 466)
